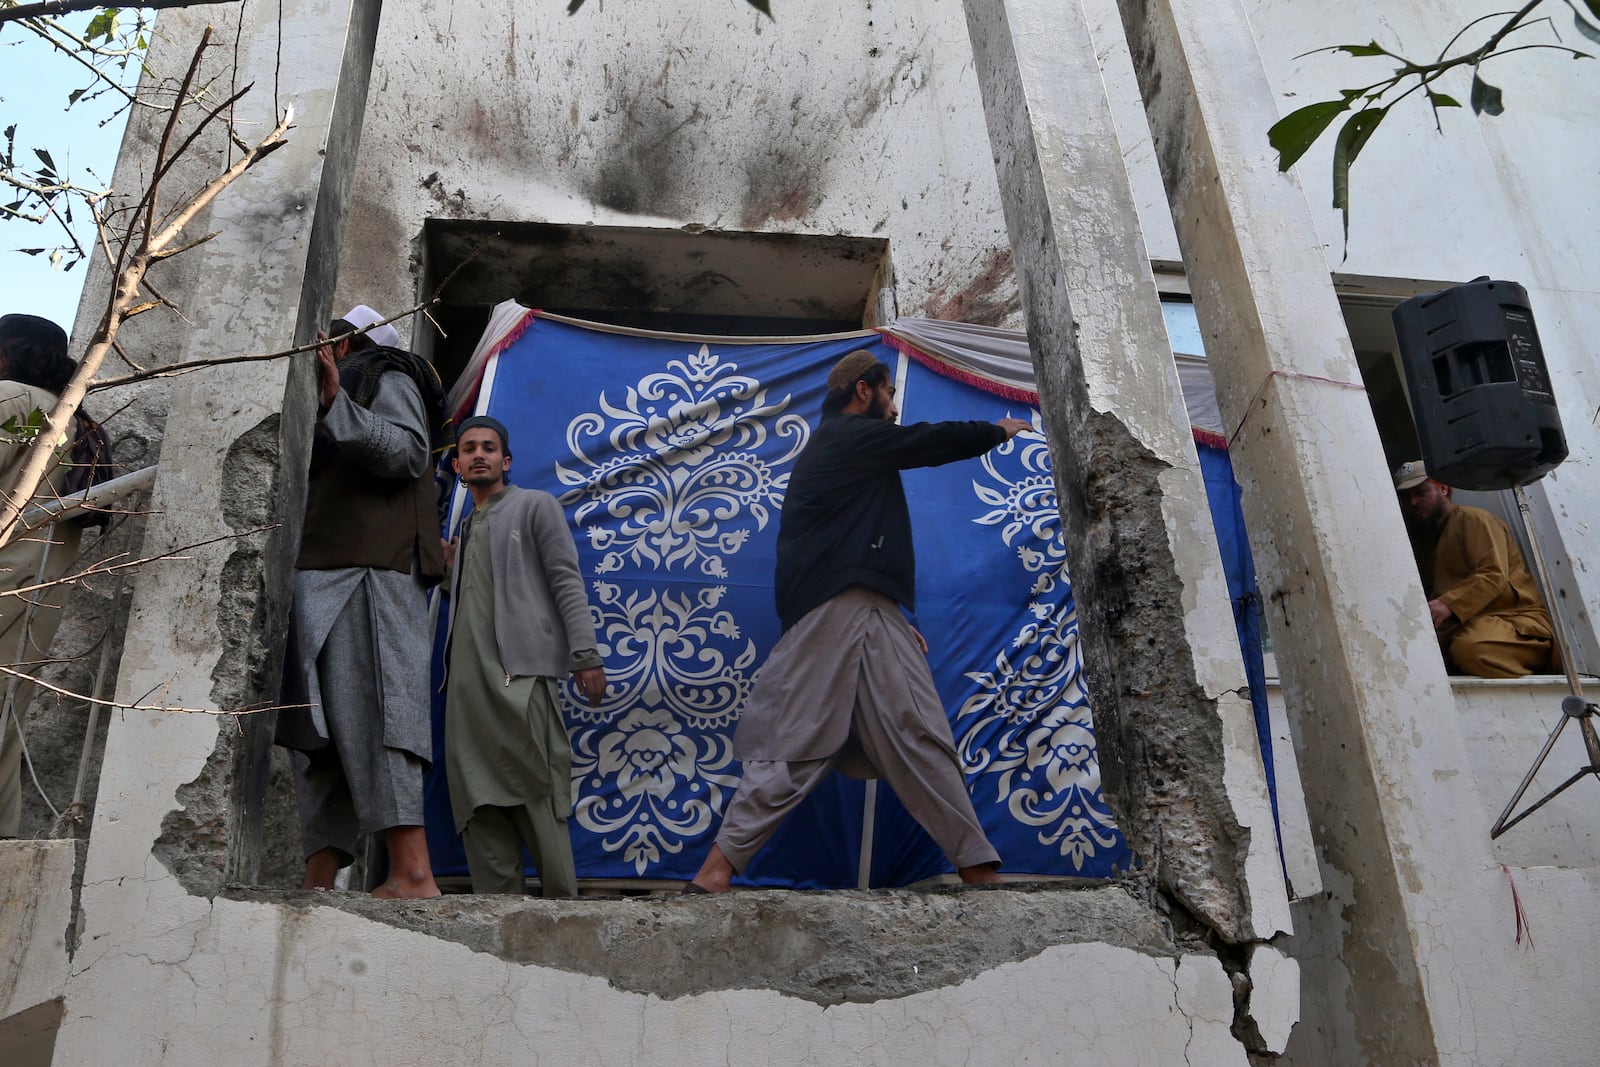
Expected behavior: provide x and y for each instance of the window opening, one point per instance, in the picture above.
(673, 280)
(1368, 319)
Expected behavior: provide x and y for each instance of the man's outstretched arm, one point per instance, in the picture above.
(932, 444)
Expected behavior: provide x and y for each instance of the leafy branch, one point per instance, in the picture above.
(13, 12)
(150, 237)
(1295, 133)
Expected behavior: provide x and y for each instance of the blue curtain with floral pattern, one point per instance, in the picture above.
(670, 457)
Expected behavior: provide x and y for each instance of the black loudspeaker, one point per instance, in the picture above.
(1485, 413)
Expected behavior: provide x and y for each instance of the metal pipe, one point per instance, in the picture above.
(1547, 587)
(95, 498)
(75, 809)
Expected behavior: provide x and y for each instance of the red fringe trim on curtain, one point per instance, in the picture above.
(965, 377)
(1204, 437)
(512, 336)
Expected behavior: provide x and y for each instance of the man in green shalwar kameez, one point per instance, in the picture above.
(519, 622)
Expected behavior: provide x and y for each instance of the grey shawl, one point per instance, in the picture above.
(391, 440)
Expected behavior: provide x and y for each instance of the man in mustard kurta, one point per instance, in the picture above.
(1483, 602)
(519, 622)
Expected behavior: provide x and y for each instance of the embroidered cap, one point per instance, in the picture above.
(362, 316)
(851, 368)
(1410, 474)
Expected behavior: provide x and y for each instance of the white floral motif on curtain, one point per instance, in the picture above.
(683, 483)
(639, 779)
(1027, 729)
(1026, 503)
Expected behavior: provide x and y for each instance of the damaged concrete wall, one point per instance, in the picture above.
(779, 978)
(1171, 724)
(862, 121)
(852, 118)
(873, 130)
(207, 635)
(1414, 945)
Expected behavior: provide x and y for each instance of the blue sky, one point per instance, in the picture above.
(34, 83)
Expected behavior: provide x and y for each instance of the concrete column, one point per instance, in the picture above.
(177, 806)
(1362, 678)
(1177, 744)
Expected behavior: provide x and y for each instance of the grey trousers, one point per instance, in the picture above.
(494, 836)
(356, 784)
(891, 730)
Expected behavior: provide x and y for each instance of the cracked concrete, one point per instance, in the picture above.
(1127, 481)
(924, 977)
(748, 978)
(826, 948)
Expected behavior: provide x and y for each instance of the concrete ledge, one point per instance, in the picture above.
(826, 948)
(35, 911)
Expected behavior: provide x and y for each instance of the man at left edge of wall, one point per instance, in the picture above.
(35, 366)
(359, 649)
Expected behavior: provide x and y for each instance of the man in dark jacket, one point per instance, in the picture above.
(848, 686)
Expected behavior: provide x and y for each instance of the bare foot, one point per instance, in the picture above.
(716, 873)
(400, 887)
(410, 873)
(982, 874)
(322, 867)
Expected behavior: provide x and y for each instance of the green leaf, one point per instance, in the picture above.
(103, 25)
(1594, 7)
(1297, 131)
(72, 97)
(1441, 100)
(31, 251)
(1485, 97)
(1353, 137)
(1370, 49)
(44, 157)
(1585, 27)
(762, 6)
(572, 8)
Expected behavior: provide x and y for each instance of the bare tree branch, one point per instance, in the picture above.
(153, 190)
(106, 566)
(248, 709)
(172, 370)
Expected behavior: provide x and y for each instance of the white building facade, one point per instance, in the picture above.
(703, 166)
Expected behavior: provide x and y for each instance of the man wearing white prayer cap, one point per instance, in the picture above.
(361, 317)
(356, 680)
